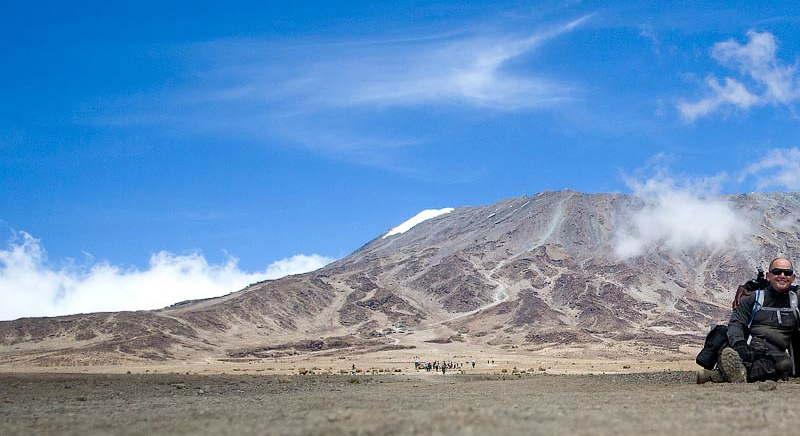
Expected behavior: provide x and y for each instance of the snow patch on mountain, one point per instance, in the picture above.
(418, 218)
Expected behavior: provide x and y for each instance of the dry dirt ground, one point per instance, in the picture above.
(654, 403)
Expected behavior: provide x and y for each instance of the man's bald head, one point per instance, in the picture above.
(772, 264)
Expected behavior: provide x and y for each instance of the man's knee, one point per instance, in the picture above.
(783, 367)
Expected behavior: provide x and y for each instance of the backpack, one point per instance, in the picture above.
(716, 340)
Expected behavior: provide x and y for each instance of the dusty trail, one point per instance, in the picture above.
(500, 296)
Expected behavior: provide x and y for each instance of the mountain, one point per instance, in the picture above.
(534, 272)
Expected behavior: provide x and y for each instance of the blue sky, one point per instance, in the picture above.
(256, 131)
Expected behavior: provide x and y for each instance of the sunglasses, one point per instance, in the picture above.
(778, 271)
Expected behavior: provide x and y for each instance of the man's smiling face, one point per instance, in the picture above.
(780, 275)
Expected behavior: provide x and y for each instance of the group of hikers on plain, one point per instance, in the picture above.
(436, 365)
(761, 341)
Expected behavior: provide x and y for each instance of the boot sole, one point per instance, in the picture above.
(731, 366)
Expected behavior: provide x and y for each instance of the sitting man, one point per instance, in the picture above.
(761, 329)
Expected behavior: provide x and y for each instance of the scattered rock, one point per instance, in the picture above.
(767, 386)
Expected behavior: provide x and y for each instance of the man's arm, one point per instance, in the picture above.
(738, 329)
(740, 317)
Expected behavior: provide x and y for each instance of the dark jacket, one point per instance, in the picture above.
(770, 332)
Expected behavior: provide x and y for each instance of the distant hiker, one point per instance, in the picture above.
(473, 363)
(444, 368)
(760, 331)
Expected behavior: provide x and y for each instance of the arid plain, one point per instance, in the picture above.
(557, 397)
(511, 392)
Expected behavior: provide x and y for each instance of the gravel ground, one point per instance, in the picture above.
(425, 404)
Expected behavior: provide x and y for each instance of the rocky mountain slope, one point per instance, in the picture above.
(530, 272)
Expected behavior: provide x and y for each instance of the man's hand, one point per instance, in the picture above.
(746, 352)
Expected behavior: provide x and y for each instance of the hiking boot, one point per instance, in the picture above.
(705, 376)
(731, 367)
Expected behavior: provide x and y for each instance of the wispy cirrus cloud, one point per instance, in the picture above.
(779, 168)
(468, 71)
(769, 80)
(348, 97)
(454, 68)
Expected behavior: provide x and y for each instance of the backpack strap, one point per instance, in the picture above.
(793, 305)
(757, 305)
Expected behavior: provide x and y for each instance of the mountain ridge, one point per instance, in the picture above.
(531, 271)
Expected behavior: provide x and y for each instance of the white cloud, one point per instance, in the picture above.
(299, 263)
(757, 59)
(29, 287)
(773, 81)
(416, 219)
(732, 92)
(780, 168)
(678, 216)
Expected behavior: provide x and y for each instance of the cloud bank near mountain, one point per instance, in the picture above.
(30, 287)
(679, 216)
